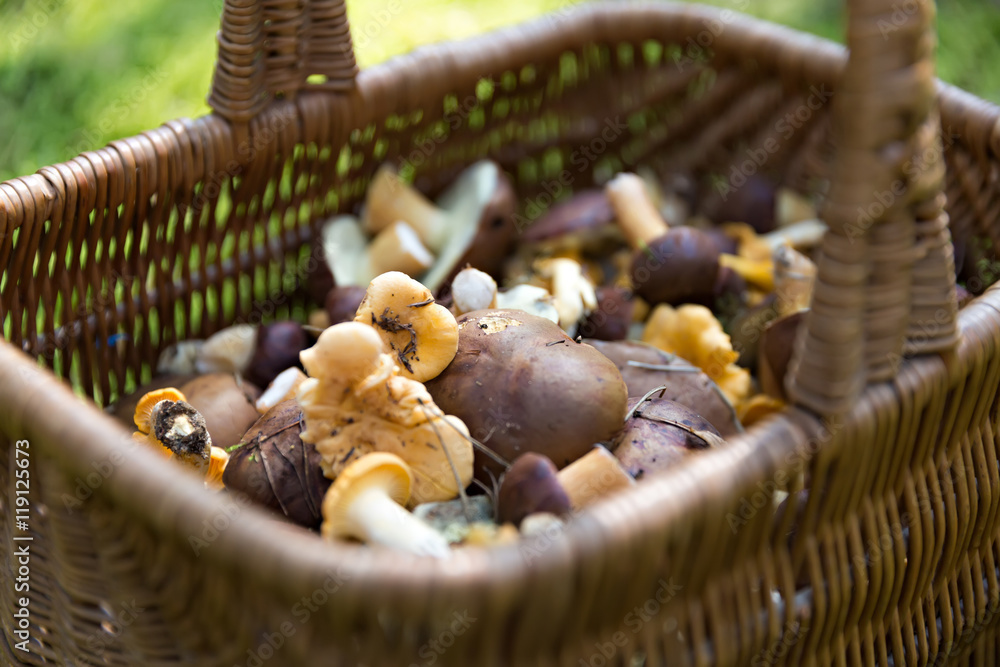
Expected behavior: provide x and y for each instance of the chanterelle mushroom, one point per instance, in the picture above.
(366, 502)
(356, 402)
(175, 429)
(422, 335)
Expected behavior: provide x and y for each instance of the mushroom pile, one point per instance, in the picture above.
(453, 391)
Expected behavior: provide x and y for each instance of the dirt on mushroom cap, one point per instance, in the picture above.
(422, 335)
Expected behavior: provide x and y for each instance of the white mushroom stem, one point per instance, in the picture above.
(794, 276)
(228, 351)
(376, 518)
(531, 299)
(355, 261)
(803, 235)
(282, 388)
(390, 199)
(592, 477)
(473, 290)
(574, 295)
(398, 248)
(637, 216)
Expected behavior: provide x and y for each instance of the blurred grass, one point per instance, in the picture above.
(77, 74)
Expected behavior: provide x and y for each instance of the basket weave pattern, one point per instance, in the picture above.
(192, 226)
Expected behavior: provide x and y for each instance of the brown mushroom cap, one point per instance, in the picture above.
(342, 303)
(530, 485)
(278, 347)
(659, 435)
(679, 267)
(495, 235)
(522, 385)
(585, 220)
(693, 389)
(276, 469)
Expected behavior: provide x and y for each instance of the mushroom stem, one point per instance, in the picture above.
(802, 234)
(390, 199)
(758, 273)
(635, 212)
(593, 476)
(398, 248)
(376, 518)
(794, 275)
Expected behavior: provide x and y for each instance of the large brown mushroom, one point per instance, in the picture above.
(522, 385)
(659, 434)
(644, 367)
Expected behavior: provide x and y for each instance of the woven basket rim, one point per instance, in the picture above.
(306, 556)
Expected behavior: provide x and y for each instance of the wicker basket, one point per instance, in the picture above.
(890, 557)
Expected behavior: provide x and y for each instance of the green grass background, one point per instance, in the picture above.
(76, 74)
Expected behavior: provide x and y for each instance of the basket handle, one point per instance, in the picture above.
(886, 272)
(271, 47)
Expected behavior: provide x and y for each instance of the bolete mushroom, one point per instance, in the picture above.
(472, 222)
(522, 385)
(612, 318)
(366, 502)
(670, 264)
(644, 368)
(659, 434)
(276, 469)
(673, 265)
(356, 402)
(583, 223)
(422, 335)
(342, 303)
(530, 485)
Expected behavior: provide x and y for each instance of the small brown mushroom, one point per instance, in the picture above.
(777, 341)
(670, 265)
(612, 318)
(659, 435)
(530, 485)
(342, 303)
(522, 385)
